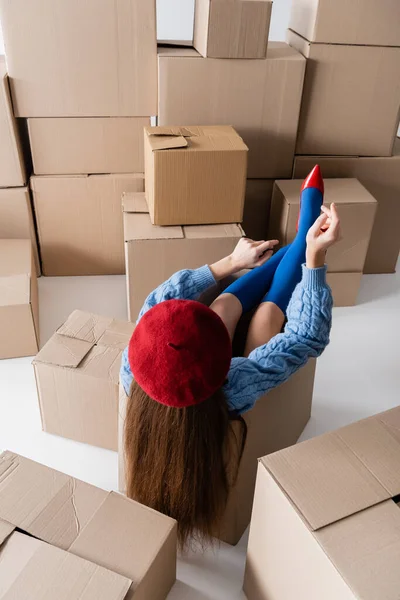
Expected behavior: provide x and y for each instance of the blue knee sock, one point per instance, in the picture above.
(251, 288)
(289, 272)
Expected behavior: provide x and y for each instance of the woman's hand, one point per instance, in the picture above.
(249, 254)
(324, 233)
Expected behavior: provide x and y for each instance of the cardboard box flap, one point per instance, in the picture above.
(33, 570)
(43, 502)
(167, 138)
(117, 530)
(84, 326)
(15, 289)
(213, 231)
(6, 530)
(117, 335)
(64, 351)
(135, 203)
(342, 191)
(139, 227)
(103, 362)
(339, 474)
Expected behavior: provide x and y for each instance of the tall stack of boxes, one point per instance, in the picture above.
(350, 110)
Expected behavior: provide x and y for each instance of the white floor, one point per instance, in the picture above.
(359, 375)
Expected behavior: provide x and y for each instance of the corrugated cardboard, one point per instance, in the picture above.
(226, 29)
(16, 218)
(81, 59)
(12, 168)
(351, 99)
(195, 175)
(128, 550)
(79, 221)
(97, 145)
(356, 208)
(276, 421)
(345, 288)
(260, 98)
(19, 309)
(381, 177)
(325, 512)
(365, 22)
(154, 253)
(257, 206)
(77, 378)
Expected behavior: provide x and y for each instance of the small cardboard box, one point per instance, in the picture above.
(351, 99)
(79, 59)
(325, 522)
(77, 375)
(87, 145)
(16, 218)
(381, 177)
(180, 248)
(365, 22)
(356, 207)
(79, 221)
(257, 206)
(229, 29)
(62, 538)
(276, 421)
(195, 175)
(259, 98)
(19, 304)
(12, 168)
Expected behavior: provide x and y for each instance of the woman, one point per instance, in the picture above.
(184, 387)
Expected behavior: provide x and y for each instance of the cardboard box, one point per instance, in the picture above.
(325, 514)
(259, 98)
(180, 248)
(79, 59)
(351, 99)
(257, 206)
(276, 421)
(381, 177)
(12, 168)
(356, 207)
(345, 288)
(365, 22)
(195, 175)
(83, 542)
(96, 145)
(19, 304)
(16, 218)
(229, 29)
(77, 374)
(79, 220)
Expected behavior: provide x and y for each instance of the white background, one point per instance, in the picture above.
(175, 20)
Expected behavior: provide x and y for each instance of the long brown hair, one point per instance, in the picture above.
(182, 461)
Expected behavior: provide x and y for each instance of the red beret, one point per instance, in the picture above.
(180, 353)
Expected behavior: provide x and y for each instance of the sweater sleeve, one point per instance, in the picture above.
(183, 285)
(306, 335)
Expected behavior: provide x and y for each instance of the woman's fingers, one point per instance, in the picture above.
(266, 256)
(318, 224)
(264, 246)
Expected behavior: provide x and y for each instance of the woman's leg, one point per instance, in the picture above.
(266, 323)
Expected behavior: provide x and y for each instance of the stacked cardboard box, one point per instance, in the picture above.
(351, 101)
(326, 517)
(87, 89)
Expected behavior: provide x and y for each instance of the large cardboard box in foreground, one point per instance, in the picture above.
(81, 59)
(351, 99)
(232, 29)
(19, 305)
(357, 209)
(92, 145)
(276, 421)
(77, 374)
(16, 218)
(12, 168)
(62, 538)
(79, 221)
(364, 22)
(381, 177)
(326, 518)
(154, 253)
(259, 98)
(195, 175)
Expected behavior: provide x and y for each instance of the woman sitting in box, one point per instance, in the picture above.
(184, 387)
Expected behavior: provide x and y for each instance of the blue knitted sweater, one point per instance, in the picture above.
(306, 335)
